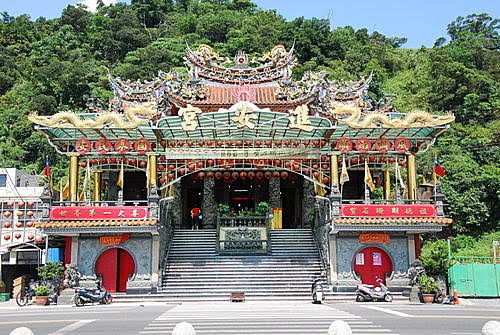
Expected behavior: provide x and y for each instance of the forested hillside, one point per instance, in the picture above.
(58, 64)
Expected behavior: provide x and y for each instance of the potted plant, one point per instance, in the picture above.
(42, 295)
(428, 286)
(50, 271)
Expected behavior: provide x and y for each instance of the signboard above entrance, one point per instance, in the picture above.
(401, 211)
(98, 212)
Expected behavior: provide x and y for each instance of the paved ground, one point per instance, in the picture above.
(257, 317)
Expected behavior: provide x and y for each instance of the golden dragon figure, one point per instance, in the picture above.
(414, 119)
(133, 117)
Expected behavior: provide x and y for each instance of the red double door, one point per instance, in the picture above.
(372, 263)
(115, 266)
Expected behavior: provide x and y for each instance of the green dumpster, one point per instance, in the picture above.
(4, 297)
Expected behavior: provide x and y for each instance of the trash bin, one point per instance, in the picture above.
(4, 297)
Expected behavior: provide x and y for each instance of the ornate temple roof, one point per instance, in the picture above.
(240, 99)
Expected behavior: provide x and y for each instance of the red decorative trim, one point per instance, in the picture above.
(363, 144)
(83, 145)
(402, 144)
(122, 145)
(103, 146)
(344, 145)
(142, 145)
(382, 144)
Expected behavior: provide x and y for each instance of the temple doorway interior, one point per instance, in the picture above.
(134, 186)
(241, 194)
(291, 202)
(115, 266)
(192, 194)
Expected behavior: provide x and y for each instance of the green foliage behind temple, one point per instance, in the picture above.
(50, 65)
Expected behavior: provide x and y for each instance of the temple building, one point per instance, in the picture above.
(257, 153)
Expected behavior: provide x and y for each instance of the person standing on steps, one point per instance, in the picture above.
(195, 218)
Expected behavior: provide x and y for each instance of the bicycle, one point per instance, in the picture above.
(26, 294)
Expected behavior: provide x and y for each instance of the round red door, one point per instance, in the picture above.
(372, 263)
(115, 266)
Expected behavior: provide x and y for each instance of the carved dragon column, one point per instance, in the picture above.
(208, 206)
(274, 193)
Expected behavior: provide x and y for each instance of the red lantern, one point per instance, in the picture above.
(6, 224)
(131, 161)
(235, 175)
(171, 167)
(268, 143)
(276, 174)
(170, 176)
(306, 143)
(277, 162)
(182, 171)
(284, 175)
(210, 162)
(200, 143)
(21, 203)
(209, 143)
(83, 164)
(243, 174)
(258, 143)
(199, 164)
(94, 161)
(287, 143)
(226, 175)
(10, 203)
(218, 175)
(180, 143)
(163, 143)
(324, 158)
(325, 167)
(323, 143)
(19, 213)
(316, 174)
(112, 160)
(190, 143)
(372, 159)
(161, 167)
(17, 236)
(31, 237)
(103, 160)
(6, 237)
(143, 164)
(171, 143)
(392, 159)
(287, 164)
(251, 174)
(39, 239)
(219, 143)
(210, 174)
(259, 175)
(239, 143)
(201, 175)
(306, 171)
(316, 143)
(315, 166)
(30, 213)
(268, 175)
(326, 180)
(277, 143)
(30, 224)
(248, 143)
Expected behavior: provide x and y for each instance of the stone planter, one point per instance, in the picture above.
(42, 300)
(428, 298)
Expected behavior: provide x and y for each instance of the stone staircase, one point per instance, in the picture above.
(194, 271)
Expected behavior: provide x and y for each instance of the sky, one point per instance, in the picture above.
(421, 21)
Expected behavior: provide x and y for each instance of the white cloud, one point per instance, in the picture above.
(92, 4)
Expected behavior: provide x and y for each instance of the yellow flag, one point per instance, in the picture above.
(65, 191)
(319, 190)
(119, 181)
(368, 178)
(344, 176)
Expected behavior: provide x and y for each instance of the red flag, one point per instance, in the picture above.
(438, 169)
(46, 170)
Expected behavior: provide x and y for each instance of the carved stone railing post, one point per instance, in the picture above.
(439, 196)
(46, 199)
(153, 202)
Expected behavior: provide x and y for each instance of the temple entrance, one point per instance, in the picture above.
(115, 266)
(134, 186)
(241, 194)
(192, 195)
(372, 263)
(291, 202)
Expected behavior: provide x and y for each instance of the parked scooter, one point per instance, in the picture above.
(84, 295)
(440, 297)
(317, 290)
(371, 293)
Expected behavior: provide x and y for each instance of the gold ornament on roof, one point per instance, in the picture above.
(132, 117)
(414, 119)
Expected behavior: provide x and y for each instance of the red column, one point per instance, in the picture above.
(67, 250)
(417, 245)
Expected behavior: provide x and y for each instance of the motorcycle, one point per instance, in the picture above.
(84, 296)
(440, 297)
(317, 290)
(371, 293)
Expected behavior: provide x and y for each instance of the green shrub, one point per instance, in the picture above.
(262, 208)
(51, 270)
(434, 256)
(427, 284)
(41, 291)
